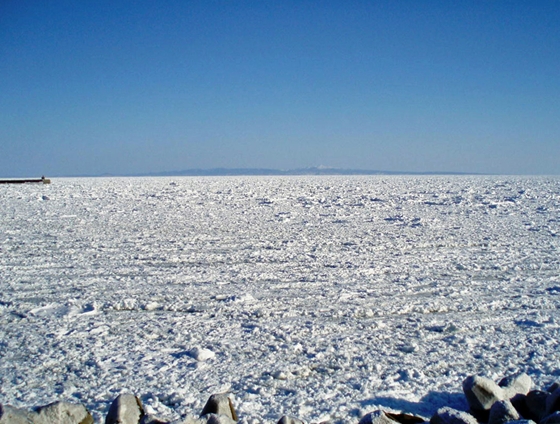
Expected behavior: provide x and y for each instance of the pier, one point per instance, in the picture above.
(42, 180)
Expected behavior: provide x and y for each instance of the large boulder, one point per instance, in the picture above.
(502, 412)
(448, 415)
(219, 404)
(125, 409)
(54, 413)
(535, 403)
(516, 384)
(12, 415)
(481, 394)
(63, 413)
(519, 402)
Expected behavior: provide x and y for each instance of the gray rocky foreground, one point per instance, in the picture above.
(510, 401)
(57, 412)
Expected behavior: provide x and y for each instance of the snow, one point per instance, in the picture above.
(323, 297)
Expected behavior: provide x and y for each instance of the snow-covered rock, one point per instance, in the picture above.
(54, 413)
(220, 404)
(376, 417)
(12, 415)
(447, 415)
(125, 409)
(516, 384)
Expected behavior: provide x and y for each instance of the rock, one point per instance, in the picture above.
(519, 402)
(190, 419)
(125, 409)
(218, 419)
(553, 386)
(57, 412)
(219, 404)
(289, 420)
(522, 422)
(553, 418)
(535, 402)
(553, 402)
(376, 417)
(63, 413)
(448, 415)
(405, 418)
(516, 384)
(481, 394)
(12, 415)
(152, 419)
(502, 412)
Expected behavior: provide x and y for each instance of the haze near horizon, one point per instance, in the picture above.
(144, 87)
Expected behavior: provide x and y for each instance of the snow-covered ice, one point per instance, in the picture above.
(317, 297)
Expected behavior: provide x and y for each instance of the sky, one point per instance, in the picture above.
(127, 87)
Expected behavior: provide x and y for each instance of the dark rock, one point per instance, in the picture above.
(452, 416)
(553, 418)
(12, 415)
(376, 417)
(502, 412)
(219, 404)
(522, 422)
(519, 402)
(553, 402)
(481, 394)
(553, 386)
(536, 405)
(516, 384)
(405, 418)
(125, 409)
(289, 420)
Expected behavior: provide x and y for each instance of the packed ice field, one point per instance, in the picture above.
(322, 297)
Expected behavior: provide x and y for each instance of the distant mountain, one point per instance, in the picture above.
(321, 170)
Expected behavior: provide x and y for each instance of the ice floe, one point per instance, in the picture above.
(323, 297)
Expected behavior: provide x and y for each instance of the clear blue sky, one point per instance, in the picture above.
(93, 87)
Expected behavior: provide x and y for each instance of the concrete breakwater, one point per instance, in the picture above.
(512, 400)
(25, 180)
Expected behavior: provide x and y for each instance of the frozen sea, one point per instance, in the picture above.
(319, 297)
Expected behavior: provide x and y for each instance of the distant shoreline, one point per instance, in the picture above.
(232, 172)
(281, 172)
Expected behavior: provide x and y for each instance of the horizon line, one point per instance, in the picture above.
(222, 171)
